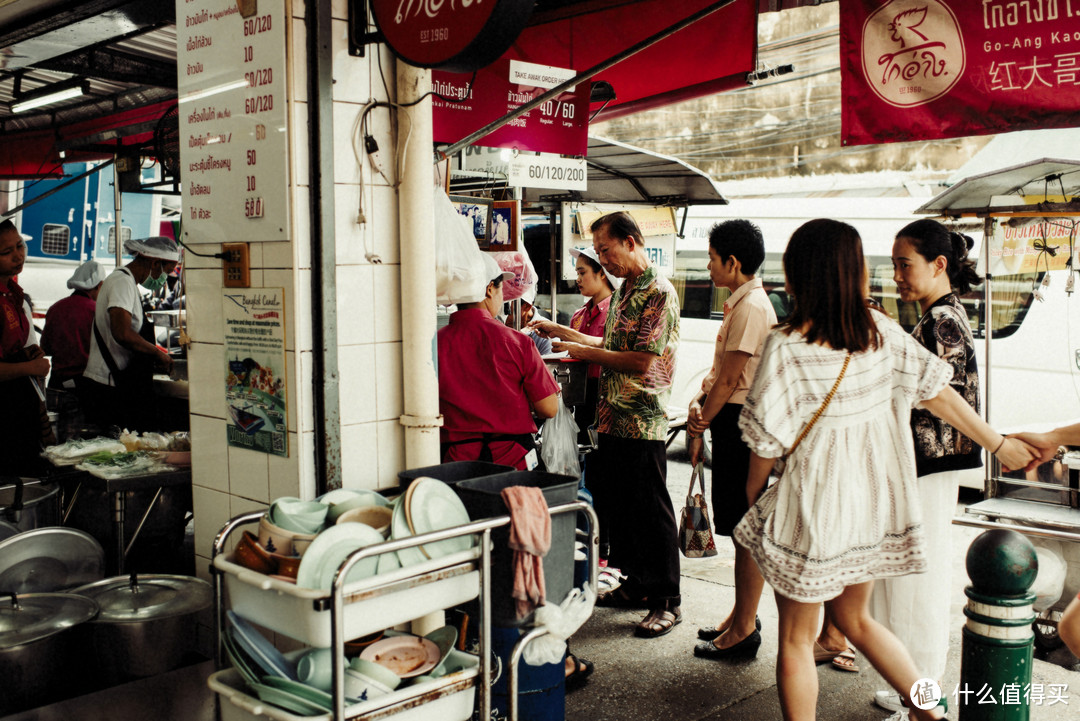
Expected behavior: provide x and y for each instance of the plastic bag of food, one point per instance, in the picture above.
(559, 449)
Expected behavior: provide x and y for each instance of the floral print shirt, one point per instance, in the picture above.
(643, 316)
(944, 331)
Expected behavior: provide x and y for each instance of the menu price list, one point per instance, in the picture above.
(233, 120)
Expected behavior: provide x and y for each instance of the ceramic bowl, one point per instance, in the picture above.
(378, 517)
(357, 645)
(356, 498)
(249, 554)
(362, 687)
(276, 539)
(376, 671)
(301, 541)
(287, 566)
(298, 516)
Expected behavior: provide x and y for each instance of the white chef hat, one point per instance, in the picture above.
(87, 276)
(474, 289)
(591, 255)
(158, 247)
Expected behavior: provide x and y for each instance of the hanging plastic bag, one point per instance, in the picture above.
(459, 262)
(561, 622)
(523, 284)
(559, 449)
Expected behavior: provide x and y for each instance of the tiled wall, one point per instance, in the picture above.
(229, 481)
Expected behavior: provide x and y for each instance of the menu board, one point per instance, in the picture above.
(233, 121)
(255, 390)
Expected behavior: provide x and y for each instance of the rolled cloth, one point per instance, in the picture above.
(530, 539)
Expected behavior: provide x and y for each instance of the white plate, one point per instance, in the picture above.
(330, 548)
(261, 651)
(407, 656)
(346, 499)
(434, 506)
(399, 528)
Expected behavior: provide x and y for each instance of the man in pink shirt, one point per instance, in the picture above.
(491, 380)
(736, 251)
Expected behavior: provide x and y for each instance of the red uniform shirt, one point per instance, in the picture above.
(488, 377)
(67, 336)
(590, 319)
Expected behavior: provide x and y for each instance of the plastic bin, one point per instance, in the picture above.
(482, 500)
(453, 472)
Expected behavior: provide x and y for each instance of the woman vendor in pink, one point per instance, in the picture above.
(597, 285)
(491, 380)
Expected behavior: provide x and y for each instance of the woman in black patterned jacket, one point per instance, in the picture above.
(931, 268)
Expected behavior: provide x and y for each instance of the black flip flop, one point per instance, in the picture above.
(582, 670)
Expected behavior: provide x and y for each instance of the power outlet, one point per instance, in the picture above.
(236, 265)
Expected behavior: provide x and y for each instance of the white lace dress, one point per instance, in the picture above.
(846, 508)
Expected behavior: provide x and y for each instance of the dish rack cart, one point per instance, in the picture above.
(328, 618)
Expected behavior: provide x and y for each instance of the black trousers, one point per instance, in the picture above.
(730, 466)
(631, 498)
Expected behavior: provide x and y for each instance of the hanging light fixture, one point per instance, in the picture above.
(74, 88)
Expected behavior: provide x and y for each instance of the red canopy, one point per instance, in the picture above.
(712, 55)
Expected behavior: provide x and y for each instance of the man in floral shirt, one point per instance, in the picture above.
(637, 354)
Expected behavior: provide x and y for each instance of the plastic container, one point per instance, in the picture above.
(372, 604)
(541, 689)
(453, 472)
(482, 500)
(449, 698)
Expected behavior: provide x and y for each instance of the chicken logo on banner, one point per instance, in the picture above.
(912, 51)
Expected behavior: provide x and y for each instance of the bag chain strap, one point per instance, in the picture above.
(824, 404)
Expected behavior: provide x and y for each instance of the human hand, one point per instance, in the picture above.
(38, 365)
(544, 328)
(696, 446)
(163, 361)
(572, 349)
(1044, 446)
(1015, 453)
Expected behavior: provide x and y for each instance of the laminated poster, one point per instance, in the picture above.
(255, 390)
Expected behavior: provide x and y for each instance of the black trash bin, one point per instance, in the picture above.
(452, 473)
(482, 499)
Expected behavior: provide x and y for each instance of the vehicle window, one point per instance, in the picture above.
(125, 235)
(54, 239)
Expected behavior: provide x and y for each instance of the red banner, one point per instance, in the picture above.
(926, 69)
(560, 125)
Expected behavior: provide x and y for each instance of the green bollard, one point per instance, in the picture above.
(995, 667)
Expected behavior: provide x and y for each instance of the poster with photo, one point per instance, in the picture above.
(504, 225)
(478, 211)
(255, 389)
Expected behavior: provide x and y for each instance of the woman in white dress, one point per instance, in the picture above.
(845, 510)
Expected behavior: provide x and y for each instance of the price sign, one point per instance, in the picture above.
(548, 171)
(233, 121)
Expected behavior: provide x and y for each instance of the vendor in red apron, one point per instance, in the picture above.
(117, 386)
(23, 424)
(491, 380)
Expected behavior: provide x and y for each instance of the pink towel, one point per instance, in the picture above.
(530, 539)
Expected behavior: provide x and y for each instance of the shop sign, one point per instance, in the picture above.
(1029, 245)
(234, 156)
(255, 370)
(650, 221)
(657, 225)
(559, 125)
(926, 69)
(461, 36)
(544, 170)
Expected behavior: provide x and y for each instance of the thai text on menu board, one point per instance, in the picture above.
(233, 132)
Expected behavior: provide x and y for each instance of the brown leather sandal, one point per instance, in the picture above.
(659, 622)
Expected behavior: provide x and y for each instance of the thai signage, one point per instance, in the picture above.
(925, 69)
(255, 390)
(234, 156)
(1030, 246)
(558, 125)
(462, 36)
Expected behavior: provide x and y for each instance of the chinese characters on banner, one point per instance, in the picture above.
(559, 125)
(255, 390)
(919, 70)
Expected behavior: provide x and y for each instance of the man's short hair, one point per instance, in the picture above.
(8, 226)
(620, 225)
(739, 238)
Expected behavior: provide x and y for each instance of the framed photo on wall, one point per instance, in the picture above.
(505, 225)
(478, 210)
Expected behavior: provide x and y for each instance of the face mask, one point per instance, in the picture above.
(154, 284)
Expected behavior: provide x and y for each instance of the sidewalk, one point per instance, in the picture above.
(660, 680)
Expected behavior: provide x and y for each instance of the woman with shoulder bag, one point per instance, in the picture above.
(842, 379)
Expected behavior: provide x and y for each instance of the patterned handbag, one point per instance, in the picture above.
(695, 533)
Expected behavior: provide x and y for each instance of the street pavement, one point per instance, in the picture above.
(660, 679)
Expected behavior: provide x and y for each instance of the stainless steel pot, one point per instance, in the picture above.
(28, 503)
(40, 659)
(147, 624)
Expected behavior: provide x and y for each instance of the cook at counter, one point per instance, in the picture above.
(117, 386)
(491, 380)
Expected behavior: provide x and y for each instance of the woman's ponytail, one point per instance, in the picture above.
(962, 274)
